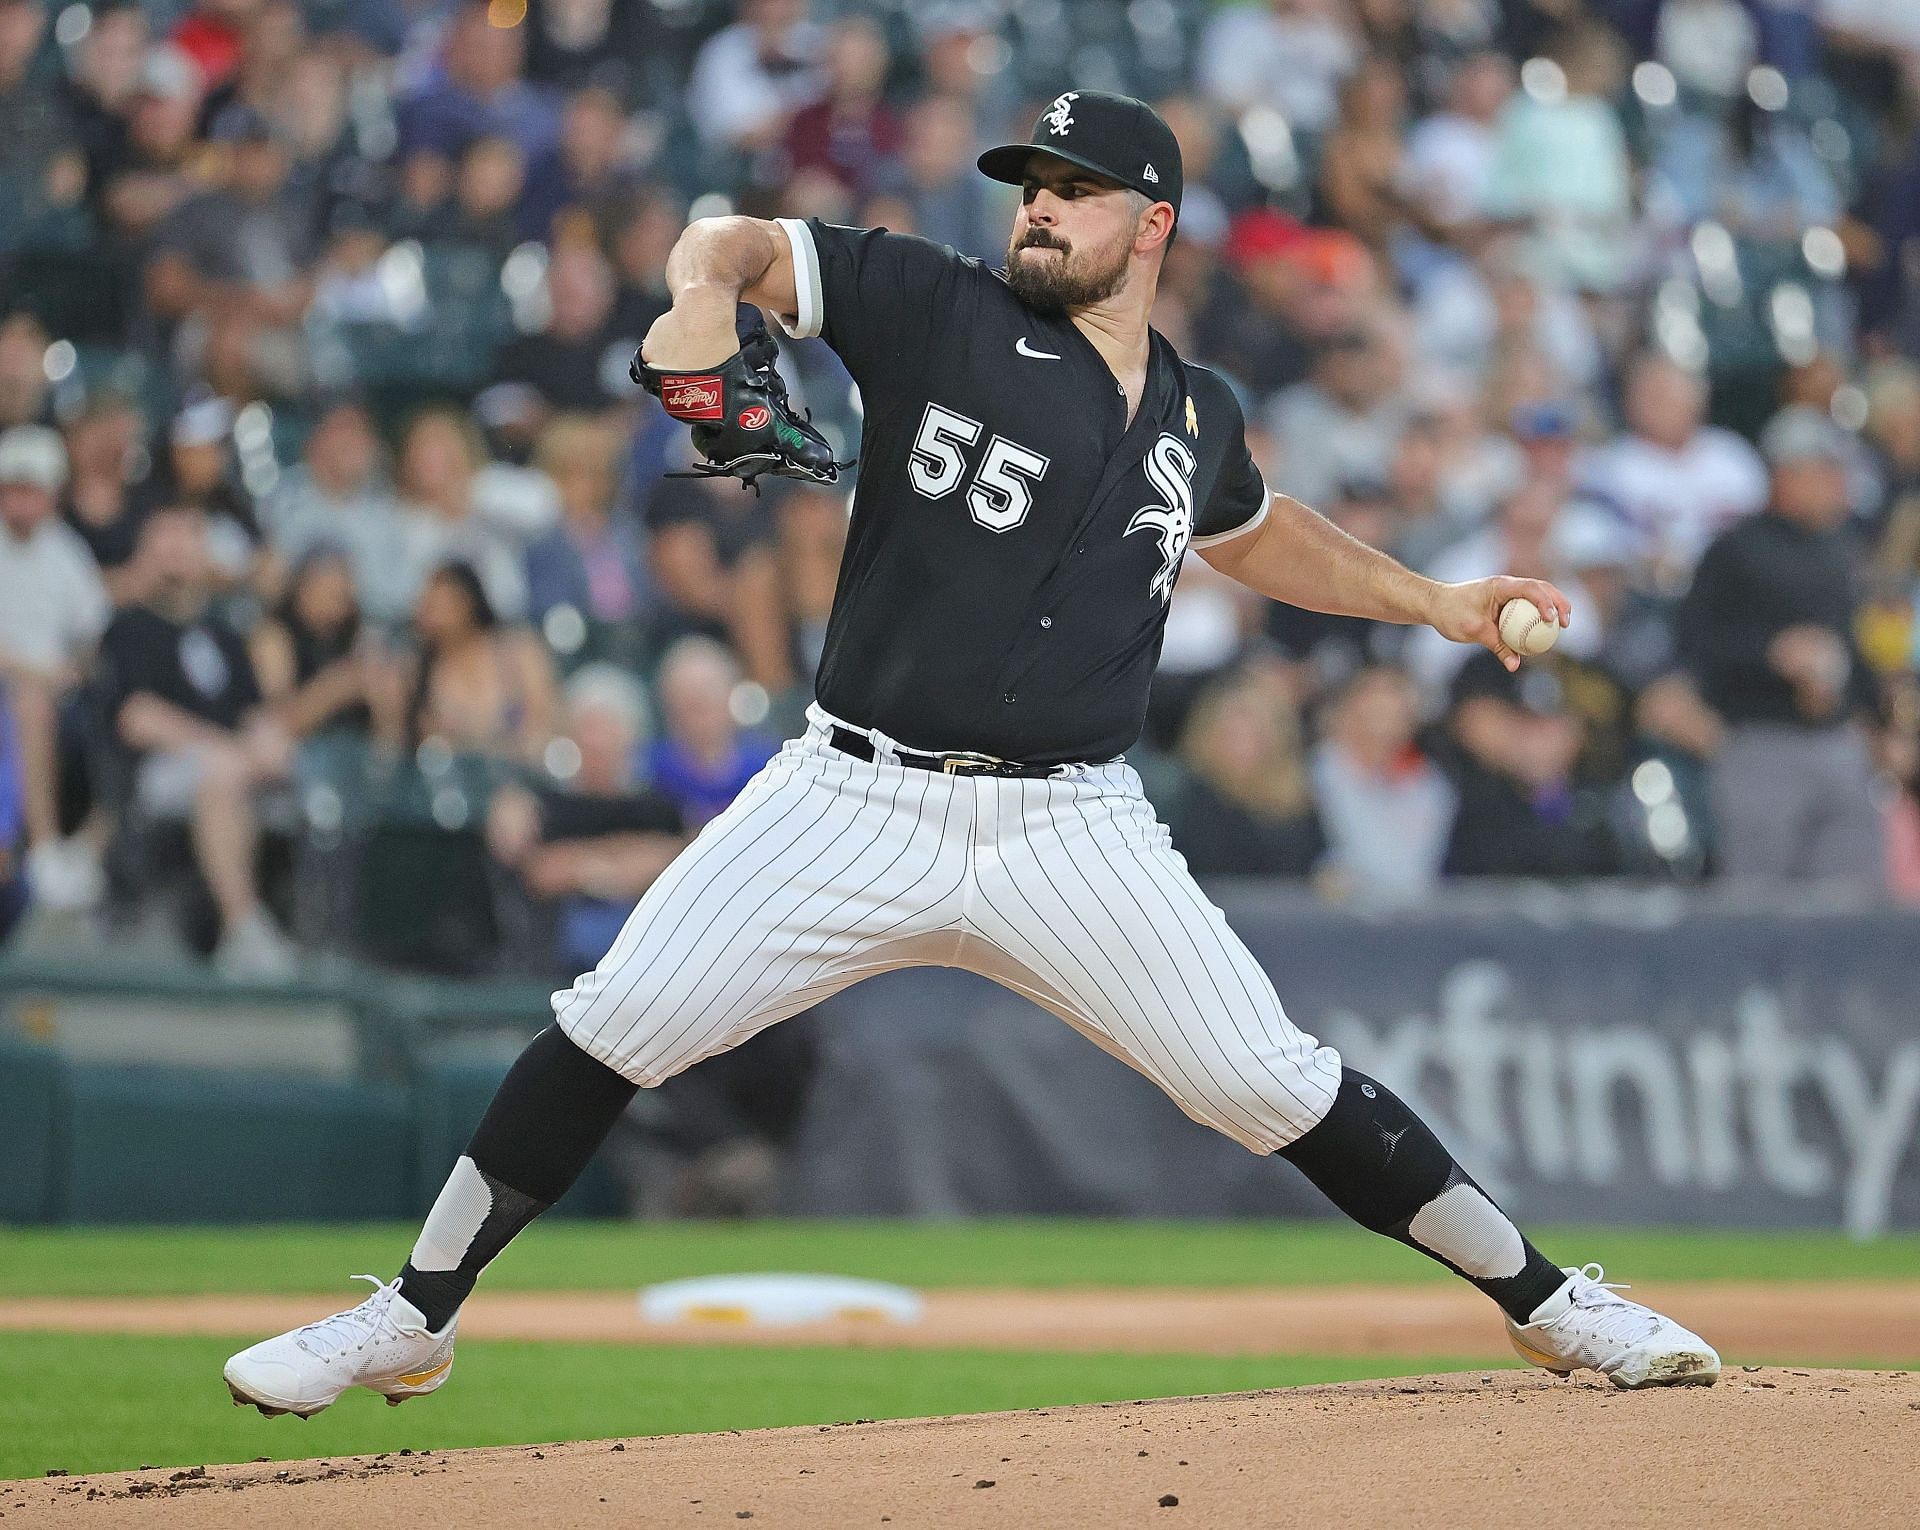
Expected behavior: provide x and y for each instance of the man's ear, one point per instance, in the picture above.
(1155, 226)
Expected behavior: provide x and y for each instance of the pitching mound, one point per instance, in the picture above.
(1774, 1448)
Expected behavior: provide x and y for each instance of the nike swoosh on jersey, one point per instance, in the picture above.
(1024, 349)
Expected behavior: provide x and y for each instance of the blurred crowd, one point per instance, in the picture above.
(347, 603)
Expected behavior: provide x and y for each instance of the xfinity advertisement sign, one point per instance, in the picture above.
(1616, 1058)
(1602, 1115)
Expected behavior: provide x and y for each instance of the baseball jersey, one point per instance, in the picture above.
(1014, 540)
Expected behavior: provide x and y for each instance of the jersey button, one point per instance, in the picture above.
(1046, 621)
(1009, 698)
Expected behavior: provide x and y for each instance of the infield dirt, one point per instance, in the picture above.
(1767, 1447)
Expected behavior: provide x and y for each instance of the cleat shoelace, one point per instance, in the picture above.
(357, 1327)
(1604, 1315)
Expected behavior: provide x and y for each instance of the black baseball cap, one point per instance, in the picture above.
(1116, 136)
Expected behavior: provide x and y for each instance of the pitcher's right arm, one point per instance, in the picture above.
(717, 264)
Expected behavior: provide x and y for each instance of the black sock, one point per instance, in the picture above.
(1382, 1165)
(551, 1113)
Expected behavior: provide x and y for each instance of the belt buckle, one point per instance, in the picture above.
(965, 764)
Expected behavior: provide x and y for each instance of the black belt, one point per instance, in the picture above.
(861, 748)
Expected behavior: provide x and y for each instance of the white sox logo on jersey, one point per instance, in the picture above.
(1170, 467)
(1059, 116)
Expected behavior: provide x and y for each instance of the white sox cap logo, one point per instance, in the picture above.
(1059, 116)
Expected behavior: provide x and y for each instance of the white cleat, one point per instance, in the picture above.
(382, 1344)
(1585, 1326)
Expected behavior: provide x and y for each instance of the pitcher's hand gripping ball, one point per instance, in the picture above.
(742, 422)
(1525, 630)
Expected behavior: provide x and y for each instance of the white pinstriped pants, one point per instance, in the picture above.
(827, 869)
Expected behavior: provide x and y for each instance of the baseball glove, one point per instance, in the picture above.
(742, 422)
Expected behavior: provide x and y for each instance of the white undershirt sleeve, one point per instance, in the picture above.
(1249, 524)
(806, 323)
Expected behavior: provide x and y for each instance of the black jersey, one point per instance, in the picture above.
(1014, 541)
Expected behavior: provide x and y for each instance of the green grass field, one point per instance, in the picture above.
(117, 1403)
(598, 1256)
(95, 1402)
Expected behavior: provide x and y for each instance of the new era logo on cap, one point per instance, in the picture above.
(1150, 175)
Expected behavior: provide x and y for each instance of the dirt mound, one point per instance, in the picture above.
(1770, 1448)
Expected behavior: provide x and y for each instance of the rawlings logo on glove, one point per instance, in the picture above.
(691, 398)
(742, 422)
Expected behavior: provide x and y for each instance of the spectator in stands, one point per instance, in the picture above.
(812, 531)
(588, 845)
(1767, 629)
(1624, 630)
(238, 254)
(13, 883)
(455, 505)
(750, 78)
(273, 36)
(1903, 815)
(1481, 316)
(1361, 167)
(101, 88)
(590, 561)
(938, 182)
(150, 175)
(1386, 807)
(23, 370)
(576, 363)
(594, 170)
(1890, 298)
(703, 756)
(1247, 807)
(1893, 430)
(597, 43)
(1677, 480)
(1522, 814)
(850, 135)
(477, 686)
(1451, 154)
(1288, 56)
(197, 470)
(35, 133)
(1561, 161)
(213, 34)
(711, 550)
(53, 609)
(184, 705)
(104, 451)
(477, 92)
(317, 670)
(338, 497)
(328, 172)
(1754, 172)
(1252, 319)
(489, 186)
(1345, 418)
(1208, 620)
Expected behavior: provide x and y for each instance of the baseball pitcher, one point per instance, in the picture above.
(1035, 464)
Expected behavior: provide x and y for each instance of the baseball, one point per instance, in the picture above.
(1524, 629)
